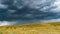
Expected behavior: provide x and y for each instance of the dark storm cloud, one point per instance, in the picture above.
(25, 14)
(27, 10)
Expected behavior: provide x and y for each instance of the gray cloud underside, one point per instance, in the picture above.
(28, 10)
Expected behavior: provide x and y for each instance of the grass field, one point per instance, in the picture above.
(39, 28)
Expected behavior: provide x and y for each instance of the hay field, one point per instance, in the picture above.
(39, 28)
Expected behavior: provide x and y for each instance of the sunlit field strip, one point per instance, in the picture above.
(37, 28)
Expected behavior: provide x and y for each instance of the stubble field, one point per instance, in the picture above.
(39, 28)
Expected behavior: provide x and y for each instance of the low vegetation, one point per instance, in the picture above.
(39, 28)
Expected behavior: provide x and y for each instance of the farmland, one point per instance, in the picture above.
(38, 28)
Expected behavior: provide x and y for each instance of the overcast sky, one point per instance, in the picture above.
(27, 11)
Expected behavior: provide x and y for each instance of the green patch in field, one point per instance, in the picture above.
(0, 32)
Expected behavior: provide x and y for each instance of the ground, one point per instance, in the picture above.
(38, 28)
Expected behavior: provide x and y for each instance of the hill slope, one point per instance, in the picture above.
(39, 28)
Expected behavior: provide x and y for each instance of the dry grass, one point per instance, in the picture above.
(40, 28)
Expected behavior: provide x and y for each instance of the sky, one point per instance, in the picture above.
(28, 11)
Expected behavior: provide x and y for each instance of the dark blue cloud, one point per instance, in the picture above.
(25, 13)
(20, 11)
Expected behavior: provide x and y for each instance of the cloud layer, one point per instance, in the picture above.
(24, 11)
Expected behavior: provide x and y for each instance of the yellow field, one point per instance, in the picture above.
(40, 28)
